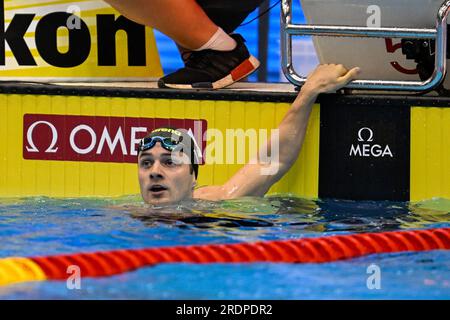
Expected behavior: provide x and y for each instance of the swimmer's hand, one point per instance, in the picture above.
(328, 78)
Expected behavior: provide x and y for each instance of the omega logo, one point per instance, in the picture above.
(105, 140)
(32, 146)
(80, 138)
(360, 134)
(366, 149)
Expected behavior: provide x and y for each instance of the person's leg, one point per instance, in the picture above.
(229, 14)
(215, 69)
(184, 21)
(219, 59)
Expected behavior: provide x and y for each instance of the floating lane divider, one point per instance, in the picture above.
(309, 250)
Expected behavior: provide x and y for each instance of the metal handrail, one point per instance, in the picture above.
(439, 35)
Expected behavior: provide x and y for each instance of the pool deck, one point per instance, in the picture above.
(241, 91)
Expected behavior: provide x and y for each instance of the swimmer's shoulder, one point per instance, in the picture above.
(211, 193)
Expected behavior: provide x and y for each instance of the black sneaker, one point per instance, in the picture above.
(212, 69)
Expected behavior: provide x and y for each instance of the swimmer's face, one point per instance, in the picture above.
(164, 177)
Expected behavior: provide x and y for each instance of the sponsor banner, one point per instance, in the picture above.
(92, 169)
(94, 138)
(364, 151)
(85, 40)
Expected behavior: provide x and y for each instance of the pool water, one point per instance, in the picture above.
(46, 226)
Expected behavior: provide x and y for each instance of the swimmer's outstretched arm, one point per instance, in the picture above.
(249, 180)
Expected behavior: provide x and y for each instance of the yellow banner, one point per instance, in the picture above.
(84, 40)
(20, 175)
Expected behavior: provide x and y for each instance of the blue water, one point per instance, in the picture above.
(45, 226)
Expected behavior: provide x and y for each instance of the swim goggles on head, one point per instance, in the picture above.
(173, 143)
(166, 142)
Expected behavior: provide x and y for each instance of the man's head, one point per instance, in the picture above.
(168, 166)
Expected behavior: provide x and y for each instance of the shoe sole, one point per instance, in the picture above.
(241, 71)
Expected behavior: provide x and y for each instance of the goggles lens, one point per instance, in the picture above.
(167, 143)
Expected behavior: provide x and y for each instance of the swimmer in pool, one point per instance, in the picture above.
(168, 160)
